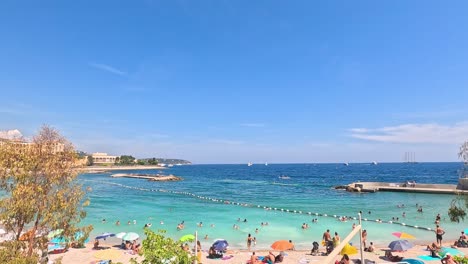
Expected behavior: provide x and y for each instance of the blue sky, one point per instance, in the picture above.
(237, 81)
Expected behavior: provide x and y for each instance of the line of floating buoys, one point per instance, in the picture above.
(252, 205)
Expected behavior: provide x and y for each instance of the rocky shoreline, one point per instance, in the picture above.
(150, 177)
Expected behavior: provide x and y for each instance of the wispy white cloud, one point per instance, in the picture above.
(107, 68)
(227, 142)
(415, 133)
(359, 130)
(11, 134)
(252, 125)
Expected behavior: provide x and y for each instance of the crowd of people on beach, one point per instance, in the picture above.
(329, 241)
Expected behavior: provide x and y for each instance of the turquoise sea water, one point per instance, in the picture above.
(258, 186)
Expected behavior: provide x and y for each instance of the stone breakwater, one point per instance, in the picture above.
(151, 177)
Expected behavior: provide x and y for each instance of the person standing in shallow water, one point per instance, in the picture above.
(249, 241)
(439, 233)
(364, 238)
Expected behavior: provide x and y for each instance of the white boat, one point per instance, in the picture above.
(346, 164)
(162, 164)
(374, 163)
(284, 177)
(170, 165)
(249, 164)
(266, 163)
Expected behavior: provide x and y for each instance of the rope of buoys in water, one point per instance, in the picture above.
(252, 205)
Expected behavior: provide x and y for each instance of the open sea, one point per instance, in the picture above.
(202, 196)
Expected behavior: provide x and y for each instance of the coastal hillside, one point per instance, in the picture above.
(166, 161)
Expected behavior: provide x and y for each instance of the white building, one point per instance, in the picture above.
(103, 158)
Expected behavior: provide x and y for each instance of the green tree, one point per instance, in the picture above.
(152, 161)
(89, 161)
(141, 162)
(158, 249)
(41, 193)
(127, 160)
(457, 209)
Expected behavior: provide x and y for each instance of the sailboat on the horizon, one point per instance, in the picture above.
(249, 164)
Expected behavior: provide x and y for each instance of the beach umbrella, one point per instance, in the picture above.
(120, 235)
(188, 237)
(400, 245)
(130, 236)
(348, 250)
(403, 235)
(105, 235)
(281, 245)
(54, 233)
(220, 245)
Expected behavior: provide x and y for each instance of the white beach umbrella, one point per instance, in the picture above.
(130, 236)
(120, 235)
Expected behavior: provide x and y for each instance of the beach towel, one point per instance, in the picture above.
(452, 251)
(428, 258)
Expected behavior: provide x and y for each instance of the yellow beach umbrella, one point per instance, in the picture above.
(108, 254)
(403, 235)
(348, 250)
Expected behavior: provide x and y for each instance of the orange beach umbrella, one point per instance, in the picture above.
(281, 245)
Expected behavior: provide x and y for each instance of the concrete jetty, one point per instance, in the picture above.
(406, 187)
(151, 177)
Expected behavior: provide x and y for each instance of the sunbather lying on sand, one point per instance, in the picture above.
(392, 258)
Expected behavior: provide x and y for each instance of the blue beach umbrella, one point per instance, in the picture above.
(400, 245)
(105, 235)
(220, 245)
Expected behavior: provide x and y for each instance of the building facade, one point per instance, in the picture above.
(103, 158)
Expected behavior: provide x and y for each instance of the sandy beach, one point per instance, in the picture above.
(88, 255)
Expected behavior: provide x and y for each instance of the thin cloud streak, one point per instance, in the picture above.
(107, 68)
(252, 125)
(415, 133)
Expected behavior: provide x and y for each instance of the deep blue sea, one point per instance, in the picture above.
(202, 196)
